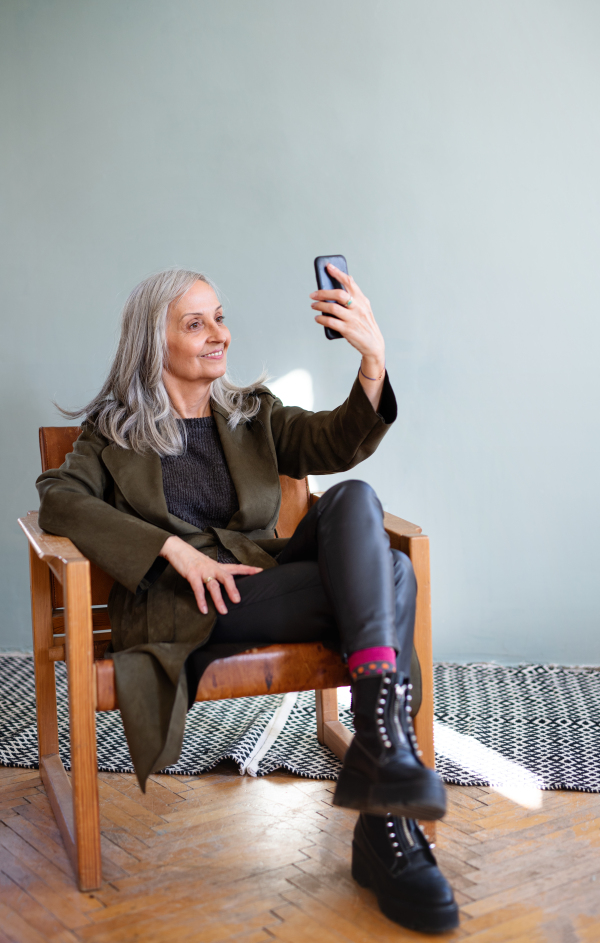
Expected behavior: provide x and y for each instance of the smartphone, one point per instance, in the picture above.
(325, 281)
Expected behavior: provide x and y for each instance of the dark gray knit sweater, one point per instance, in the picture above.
(198, 487)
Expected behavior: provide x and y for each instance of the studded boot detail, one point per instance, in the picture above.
(383, 771)
(391, 855)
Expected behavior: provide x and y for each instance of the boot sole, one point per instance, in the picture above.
(354, 791)
(429, 919)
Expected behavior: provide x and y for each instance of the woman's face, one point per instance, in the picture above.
(197, 339)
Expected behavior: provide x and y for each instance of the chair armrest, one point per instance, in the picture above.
(395, 526)
(56, 552)
(398, 527)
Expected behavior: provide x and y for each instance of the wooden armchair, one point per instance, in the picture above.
(70, 622)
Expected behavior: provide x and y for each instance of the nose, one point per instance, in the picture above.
(218, 332)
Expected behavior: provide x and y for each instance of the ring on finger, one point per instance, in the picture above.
(208, 579)
(350, 301)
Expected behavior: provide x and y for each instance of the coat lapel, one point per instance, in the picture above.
(252, 465)
(139, 478)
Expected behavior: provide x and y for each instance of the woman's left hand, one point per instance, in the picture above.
(357, 324)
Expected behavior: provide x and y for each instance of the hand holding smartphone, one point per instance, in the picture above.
(325, 281)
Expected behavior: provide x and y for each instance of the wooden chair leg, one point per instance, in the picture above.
(417, 548)
(43, 639)
(330, 731)
(52, 772)
(82, 720)
(419, 555)
(327, 709)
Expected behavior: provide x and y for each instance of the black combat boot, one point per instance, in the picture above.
(392, 856)
(382, 770)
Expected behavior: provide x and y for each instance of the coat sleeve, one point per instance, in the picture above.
(322, 443)
(75, 502)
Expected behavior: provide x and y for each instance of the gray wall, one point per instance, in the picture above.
(449, 149)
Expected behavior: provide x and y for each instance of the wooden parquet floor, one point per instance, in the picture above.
(224, 857)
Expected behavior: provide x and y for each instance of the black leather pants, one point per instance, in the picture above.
(337, 580)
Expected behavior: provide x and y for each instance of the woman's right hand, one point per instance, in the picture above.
(203, 573)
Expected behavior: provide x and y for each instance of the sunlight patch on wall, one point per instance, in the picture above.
(295, 389)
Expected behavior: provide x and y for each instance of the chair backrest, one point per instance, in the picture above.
(57, 441)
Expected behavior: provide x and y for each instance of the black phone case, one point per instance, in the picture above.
(325, 281)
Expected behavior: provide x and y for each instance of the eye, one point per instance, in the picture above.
(220, 318)
(193, 325)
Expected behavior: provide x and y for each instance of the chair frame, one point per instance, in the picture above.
(79, 634)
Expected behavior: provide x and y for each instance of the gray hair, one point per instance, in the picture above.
(133, 408)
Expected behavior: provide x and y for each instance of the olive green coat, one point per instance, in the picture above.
(110, 502)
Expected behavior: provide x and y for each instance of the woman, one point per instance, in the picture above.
(173, 489)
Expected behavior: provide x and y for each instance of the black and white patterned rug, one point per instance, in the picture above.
(520, 730)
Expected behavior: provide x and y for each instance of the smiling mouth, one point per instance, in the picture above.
(214, 355)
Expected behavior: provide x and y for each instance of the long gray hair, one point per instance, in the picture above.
(133, 408)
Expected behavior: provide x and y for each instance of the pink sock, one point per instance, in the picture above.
(371, 661)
